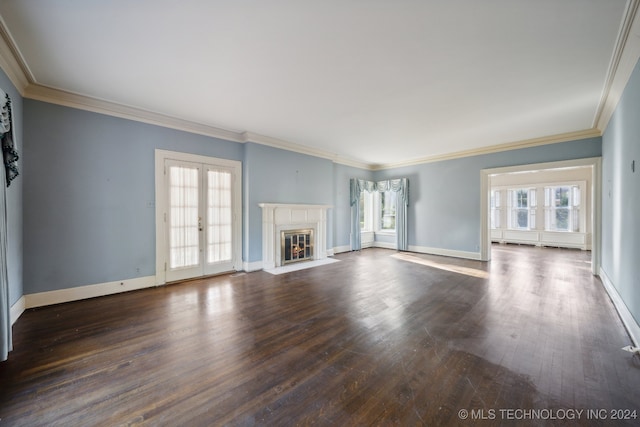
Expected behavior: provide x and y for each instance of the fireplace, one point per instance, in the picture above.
(279, 218)
(296, 246)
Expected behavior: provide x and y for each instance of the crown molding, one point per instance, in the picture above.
(545, 140)
(12, 61)
(96, 105)
(73, 100)
(289, 146)
(623, 61)
(82, 102)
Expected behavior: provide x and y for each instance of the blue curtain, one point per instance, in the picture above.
(5, 308)
(9, 153)
(401, 186)
(354, 200)
(10, 157)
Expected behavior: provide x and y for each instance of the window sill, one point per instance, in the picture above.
(386, 233)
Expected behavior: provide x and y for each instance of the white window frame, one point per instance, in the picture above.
(368, 202)
(531, 207)
(373, 214)
(380, 215)
(496, 208)
(581, 217)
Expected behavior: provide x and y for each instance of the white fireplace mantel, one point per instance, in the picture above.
(277, 217)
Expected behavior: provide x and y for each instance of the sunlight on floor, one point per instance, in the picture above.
(447, 267)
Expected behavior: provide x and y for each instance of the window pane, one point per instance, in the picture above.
(576, 196)
(184, 246)
(562, 208)
(521, 208)
(523, 218)
(362, 224)
(521, 199)
(388, 210)
(219, 216)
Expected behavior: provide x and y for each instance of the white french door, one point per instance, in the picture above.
(201, 233)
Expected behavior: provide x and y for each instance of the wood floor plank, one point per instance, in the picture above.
(380, 338)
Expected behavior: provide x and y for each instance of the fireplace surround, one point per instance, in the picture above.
(279, 217)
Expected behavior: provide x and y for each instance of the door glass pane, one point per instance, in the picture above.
(183, 213)
(219, 216)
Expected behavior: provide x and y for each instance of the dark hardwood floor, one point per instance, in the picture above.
(380, 338)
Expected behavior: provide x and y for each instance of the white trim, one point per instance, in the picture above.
(103, 106)
(341, 249)
(557, 239)
(596, 201)
(12, 61)
(623, 61)
(625, 315)
(384, 245)
(109, 108)
(527, 143)
(445, 252)
(290, 146)
(161, 203)
(330, 252)
(74, 100)
(17, 309)
(485, 217)
(90, 291)
(252, 266)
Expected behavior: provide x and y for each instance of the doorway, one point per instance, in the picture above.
(197, 216)
(594, 164)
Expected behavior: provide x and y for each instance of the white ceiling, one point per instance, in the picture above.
(377, 81)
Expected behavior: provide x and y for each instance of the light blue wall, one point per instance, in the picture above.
(14, 197)
(89, 194)
(621, 197)
(444, 197)
(273, 175)
(342, 207)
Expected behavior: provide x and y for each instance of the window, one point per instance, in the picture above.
(495, 209)
(522, 209)
(562, 208)
(388, 210)
(366, 211)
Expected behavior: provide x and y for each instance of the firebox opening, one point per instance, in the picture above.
(296, 245)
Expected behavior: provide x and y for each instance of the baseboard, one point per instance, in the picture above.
(445, 252)
(17, 309)
(252, 266)
(90, 291)
(384, 245)
(625, 315)
(340, 249)
(330, 252)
